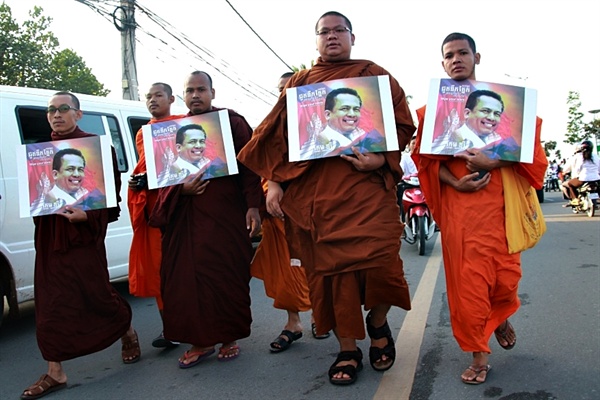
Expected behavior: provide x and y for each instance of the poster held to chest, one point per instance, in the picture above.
(327, 119)
(499, 119)
(73, 172)
(179, 149)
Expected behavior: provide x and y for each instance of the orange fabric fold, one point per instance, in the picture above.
(145, 253)
(482, 278)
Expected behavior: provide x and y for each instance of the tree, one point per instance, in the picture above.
(549, 146)
(72, 74)
(592, 129)
(30, 57)
(575, 132)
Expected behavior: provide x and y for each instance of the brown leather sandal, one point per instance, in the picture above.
(130, 349)
(45, 385)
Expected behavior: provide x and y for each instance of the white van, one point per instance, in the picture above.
(23, 120)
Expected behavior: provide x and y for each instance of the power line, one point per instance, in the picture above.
(251, 89)
(258, 36)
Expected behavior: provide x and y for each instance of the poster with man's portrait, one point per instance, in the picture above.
(499, 119)
(180, 149)
(327, 119)
(71, 172)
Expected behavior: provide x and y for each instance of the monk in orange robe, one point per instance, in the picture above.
(145, 253)
(284, 278)
(340, 212)
(482, 278)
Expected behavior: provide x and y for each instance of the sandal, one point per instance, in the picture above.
(228, 353)
(313, 328)
(478, 369)
(349, 370)
(376, 353)
(201, 355)
(130, 349)
(502, 334)
(45, 385)
(281, 344)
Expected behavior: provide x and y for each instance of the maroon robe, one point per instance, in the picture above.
(77, 310)
(205, 269)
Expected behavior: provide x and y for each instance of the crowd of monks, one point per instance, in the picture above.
(331, 236)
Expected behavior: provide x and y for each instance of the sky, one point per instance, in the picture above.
(551, 46)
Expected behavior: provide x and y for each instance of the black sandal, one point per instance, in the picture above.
(375, 353)
(280, 344)
(349, 370)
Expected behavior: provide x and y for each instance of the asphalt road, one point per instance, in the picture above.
(556, 356)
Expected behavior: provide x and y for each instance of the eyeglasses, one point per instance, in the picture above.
(63, 108)
(340, 30)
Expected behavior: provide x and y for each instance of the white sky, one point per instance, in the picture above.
(554, 44)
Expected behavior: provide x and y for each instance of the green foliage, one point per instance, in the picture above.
(575, 132)
(303, 66)
(592, 129)
(30, 57)
(549, 146)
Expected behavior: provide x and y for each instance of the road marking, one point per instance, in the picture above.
(397, 383)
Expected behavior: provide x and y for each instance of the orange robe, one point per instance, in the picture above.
(284, 283)
(343, 223)
(145, 252)
(482, 278)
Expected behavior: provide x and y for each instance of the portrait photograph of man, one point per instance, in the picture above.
(499, 119)
(334, 117)
(180, 149)
(70, 175)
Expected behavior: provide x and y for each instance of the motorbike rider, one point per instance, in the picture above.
(408, 168)
(585, 167)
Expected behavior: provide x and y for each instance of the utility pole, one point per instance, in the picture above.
(126, 26)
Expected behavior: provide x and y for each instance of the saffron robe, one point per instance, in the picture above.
(205, 269)
(145, 253)
(77, 311)
(482, 278)
(285, 283)
(342, 223)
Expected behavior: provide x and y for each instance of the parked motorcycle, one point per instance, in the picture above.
(419, 224)
(587, 199)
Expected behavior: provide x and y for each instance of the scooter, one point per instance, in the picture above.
(419, 224)
(587, 199)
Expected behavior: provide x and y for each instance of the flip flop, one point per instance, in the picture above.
(501, 334)
(45, 385)
(189, 354)
(478, 369)
(280, 344)
(223, 351)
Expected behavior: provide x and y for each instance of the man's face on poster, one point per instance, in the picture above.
(193, 146)
(71, 173)
(345, 114)
(484, 119)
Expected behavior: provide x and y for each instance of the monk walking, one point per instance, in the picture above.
(341, 213)
(145, 254)
(284, 278)
(482, 277)
(206, 247)
(77, 311)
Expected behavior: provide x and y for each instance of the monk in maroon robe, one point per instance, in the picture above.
(77, 310)
(206, 247)
(341, 215)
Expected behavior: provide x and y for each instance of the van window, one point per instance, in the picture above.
(135, 124)
(34, 128)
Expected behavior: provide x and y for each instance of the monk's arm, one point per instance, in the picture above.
(465, 184)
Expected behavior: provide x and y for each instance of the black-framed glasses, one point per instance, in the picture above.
(63, 108)
(340, 30)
